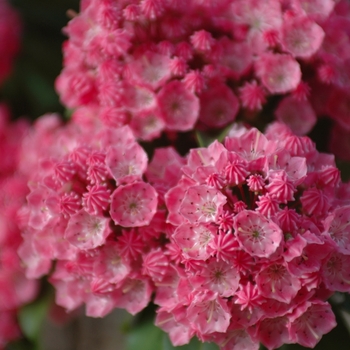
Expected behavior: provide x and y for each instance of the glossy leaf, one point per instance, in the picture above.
(32, 316)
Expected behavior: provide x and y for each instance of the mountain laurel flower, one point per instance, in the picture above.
(193, 61)
(133, 204)
(265, 242)
(16, 288)
(86, 205)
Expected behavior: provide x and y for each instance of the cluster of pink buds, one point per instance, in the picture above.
(90, 210)
(175, 65)
(10, 28)
(260, 240)
(15, 289)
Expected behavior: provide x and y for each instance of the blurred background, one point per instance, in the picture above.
(29, 90)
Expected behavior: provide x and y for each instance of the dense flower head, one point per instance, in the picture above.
(160, 65)
(256, 254)
(15, 288)
(10, 28)
(91, 211)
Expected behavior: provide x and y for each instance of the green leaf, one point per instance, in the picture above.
(148, 337)
(194, 344)
(21, 344)
(145, 337)
(32, 316)
(204, 139)
(209, 346)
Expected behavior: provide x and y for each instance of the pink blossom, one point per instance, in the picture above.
(310, 322)
(314, 201)
(178, 328)
(317, 8)
(202, 204)
(86, 231)
(298, 115)
(277, 283)
(252, 96)
(302, 37)
(219, 106)
(255, 182)
(133, 204)
(223, 246)
(282, 254)
(194, 240)
(279, 73)
(133, 295)
(96, 200)
(155, 265)
(147, 125)
(280, 187)
(256, 234)
(338, 228)
(335, 272)
(248, 296)
(150, 70)
(194, 81)
(126, 164)
(267, 205)
(202, 40)
(16, 287)
(209, 313)
(179, 107)
(219, 277)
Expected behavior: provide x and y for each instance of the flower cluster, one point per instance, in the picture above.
(10, 28)
(240, 243)
(15, 289)
(91, 212)
(260, 240)
(173, 65)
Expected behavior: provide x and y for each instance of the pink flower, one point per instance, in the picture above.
(77, 207)
(150, 70)
(202, 40)
(134, 204)
(298, 115)
(252, 96)
(179, 107)
(248, 296)
(314, 201)
(126, 164)
(246, 47)
(202, 204)
(280, 187)
(96, 200)
(219, 106)
(310, 322)
(219, 277)
(86, 231)
(209, 313)
(255, 182)
(279, 73)
(301, 36)
(194, 240)
(272, 253)
(257, 235)
(155, 265)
